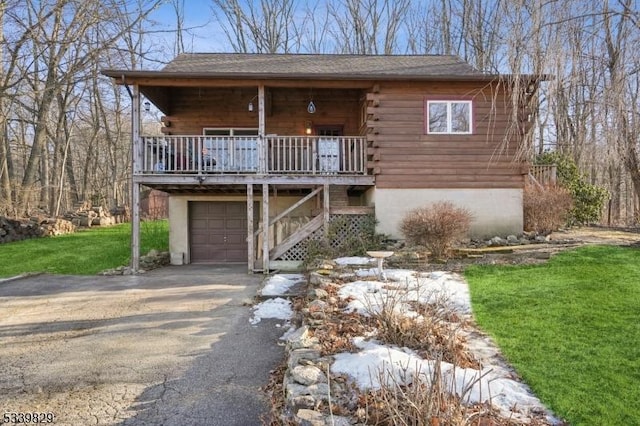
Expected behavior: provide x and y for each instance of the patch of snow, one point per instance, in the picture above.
(280, 284)
(400, 275)
(278, 308)
(376, 365)
(354, 260)
(370, 297)
(369, 272)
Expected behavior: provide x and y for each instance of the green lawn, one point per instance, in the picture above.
(85, 252)
(571, 328)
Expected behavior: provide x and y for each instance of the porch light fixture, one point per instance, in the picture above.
(308, 127)
(311, 108)
(250, 106)
(147, 106)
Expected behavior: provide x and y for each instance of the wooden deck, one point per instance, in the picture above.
(247, 155)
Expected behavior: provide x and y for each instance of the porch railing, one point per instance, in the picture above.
(543, 174)
(251, 154)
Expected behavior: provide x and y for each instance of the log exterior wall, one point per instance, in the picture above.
(193, 109)
(404, 156)
(391, 114)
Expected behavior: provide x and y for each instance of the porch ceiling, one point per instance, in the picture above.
(162, 94)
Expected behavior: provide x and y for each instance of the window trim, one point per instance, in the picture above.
(448, 102)
(231, 130)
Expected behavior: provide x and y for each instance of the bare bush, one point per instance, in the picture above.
(431, 329)
(426, 401)
(546, 209)
(436, 227)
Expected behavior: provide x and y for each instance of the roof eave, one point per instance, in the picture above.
(130, 76)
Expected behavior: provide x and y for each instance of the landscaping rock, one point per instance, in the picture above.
(308, 375)
(512, 239)
(301, 339)
(318, 305)
(303, 401)
(497, 241)
(317, 279)
(307, 417)
(339, 421)
(298, 355)
(317, 293)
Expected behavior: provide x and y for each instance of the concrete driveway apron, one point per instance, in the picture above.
(170, 347)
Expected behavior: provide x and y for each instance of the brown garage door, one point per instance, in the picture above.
(218, 231)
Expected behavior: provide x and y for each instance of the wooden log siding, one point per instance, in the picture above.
(193, 109)
(403, 155)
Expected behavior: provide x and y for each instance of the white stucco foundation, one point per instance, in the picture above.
(495, 211)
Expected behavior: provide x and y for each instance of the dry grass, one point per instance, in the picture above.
(434, 334)
(425, 402)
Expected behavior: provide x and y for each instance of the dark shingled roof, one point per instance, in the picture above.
(321, 66)
(251, 66)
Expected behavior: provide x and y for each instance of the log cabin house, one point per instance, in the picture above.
(294, 141)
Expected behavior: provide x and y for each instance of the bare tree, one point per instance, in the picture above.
(368, 26)
(258, 26)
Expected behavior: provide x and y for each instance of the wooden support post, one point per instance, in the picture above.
(262, 140)
(251, 257)
(265, 228)
(325, 209)
(135, 187)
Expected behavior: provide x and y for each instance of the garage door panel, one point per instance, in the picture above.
(218, 252)
(236, 254)
(200, 224)
(217, 231)
(199, 239)
(236, 209)
(215, 207)
(214, 225)
(236, 224)
(217, 239)
(235, 240)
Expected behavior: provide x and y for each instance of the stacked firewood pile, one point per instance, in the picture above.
(86, 215)
(41, 225)
(16, 230)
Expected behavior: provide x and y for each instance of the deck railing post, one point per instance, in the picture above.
(135, 186)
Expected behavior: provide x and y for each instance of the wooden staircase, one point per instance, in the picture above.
(305, 231)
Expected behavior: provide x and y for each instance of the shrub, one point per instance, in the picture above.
(588, 199)
(436, 227)
(546, 209)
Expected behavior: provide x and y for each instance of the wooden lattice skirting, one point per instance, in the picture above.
(343, 226)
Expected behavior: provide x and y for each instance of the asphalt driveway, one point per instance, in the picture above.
(170, 347)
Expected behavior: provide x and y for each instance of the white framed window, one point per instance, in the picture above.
(225, 131)
(449, 117)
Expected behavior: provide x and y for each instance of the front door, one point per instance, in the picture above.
(329, 148)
